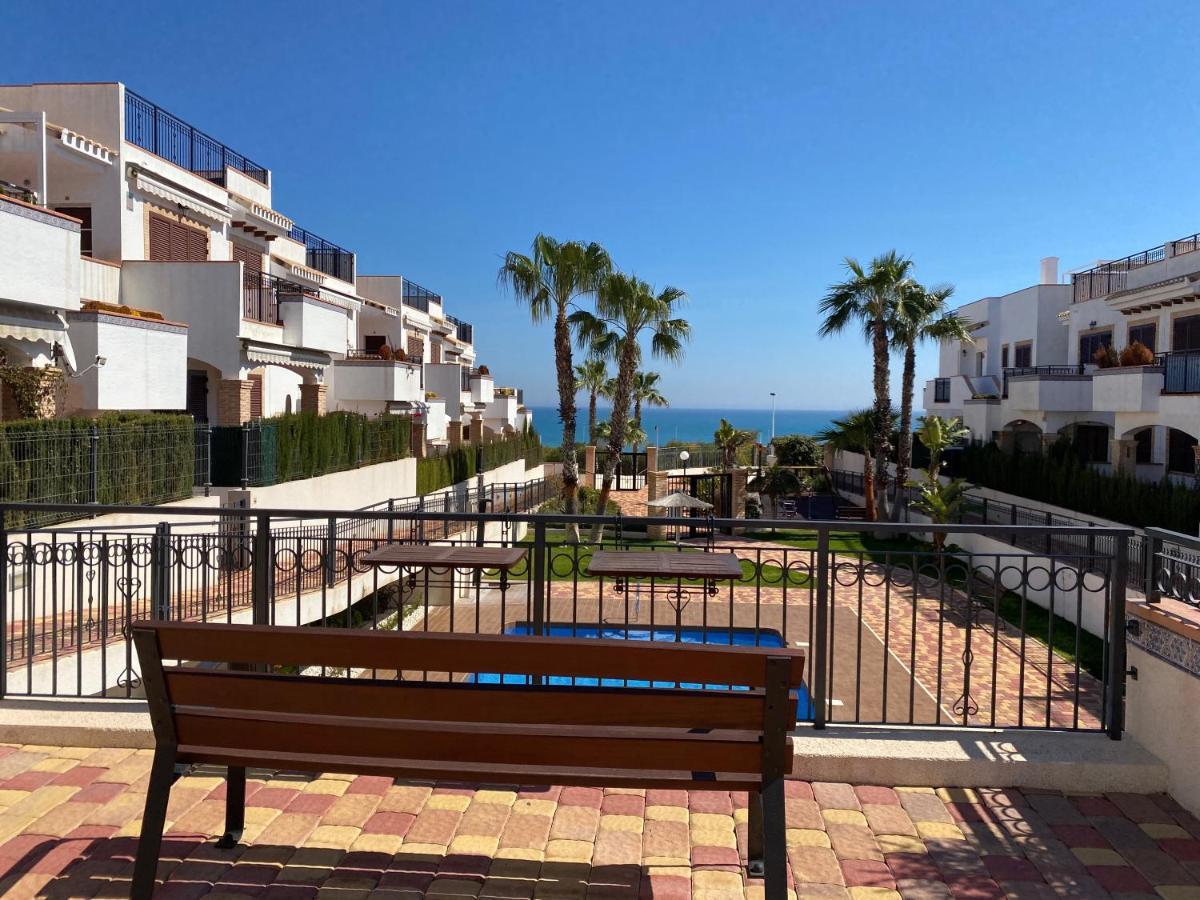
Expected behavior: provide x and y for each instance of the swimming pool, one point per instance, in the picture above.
(737, 637)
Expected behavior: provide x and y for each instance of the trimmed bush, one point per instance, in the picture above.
(798, 450)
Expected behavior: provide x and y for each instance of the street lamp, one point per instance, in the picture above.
(684, 456)
(772, 417)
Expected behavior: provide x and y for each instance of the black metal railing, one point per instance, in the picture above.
(419, 297)
(900, 634)
(1172, 566)
(1181, 371)
(261, 293)
(153, 128)
(17, 192)
(941, 390)
(463, 330)
(1018, 371)
(325, 256)
(1185, 245)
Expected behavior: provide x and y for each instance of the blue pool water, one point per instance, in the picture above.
(737, 637)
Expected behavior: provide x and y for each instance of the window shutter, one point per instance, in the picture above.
(435, 353)
(256, 396)
(250, 258)
(160, 239)
(197, 245)
(416, 347)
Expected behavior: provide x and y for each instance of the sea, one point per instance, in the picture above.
(692, 425)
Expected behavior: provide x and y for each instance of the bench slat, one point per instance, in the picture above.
(477, 744)
(435, 652)
(466, 702)
(485, 774)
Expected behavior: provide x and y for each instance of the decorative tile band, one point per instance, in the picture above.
(1176, 649)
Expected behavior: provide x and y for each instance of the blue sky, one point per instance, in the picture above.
(739, 155)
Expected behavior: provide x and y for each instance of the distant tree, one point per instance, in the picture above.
(777, 481)
(940, 501)
(730, 440)
(869, 297)
(797, 450)
(645, 393)
(592, 376)
(855, 434)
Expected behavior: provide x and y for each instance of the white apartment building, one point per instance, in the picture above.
(1031, 374)
(132, 237)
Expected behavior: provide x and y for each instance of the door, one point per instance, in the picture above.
(84, 215)
(172, 241)
(197, 394)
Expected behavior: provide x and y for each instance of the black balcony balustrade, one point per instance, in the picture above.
(325, 256)
(261, 294)
(16, 192)
(153, 128)
(1181, 371)
(1186, 245)
(463, 330)
(419, 297)
(941, 390)
(1016, 371)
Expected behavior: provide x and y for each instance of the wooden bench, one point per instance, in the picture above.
(235, 709)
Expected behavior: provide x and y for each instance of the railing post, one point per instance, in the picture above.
(391, 521)
(1114, 699)
(330, 551)
(207, 459)
(93, 474)
(1152, 549)
(263, 571)
(820, 639)
(245, 455)
(539, 576)
(3, 602)
(160, 573)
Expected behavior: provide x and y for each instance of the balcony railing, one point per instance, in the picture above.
(1181, 371)
(1015, 371)
(16, 192)
(463, 330)
(419, 297)
(153, 128)
(941, 390)
(362, 354)
(324, 256)
(261, 293)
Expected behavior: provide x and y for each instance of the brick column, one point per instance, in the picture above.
(589, 461)
(651, 459)
(312, 398)
(233, 401)
(476, 431)
(1124, 456)
(417, 441)
(454, 433)
(656, 487)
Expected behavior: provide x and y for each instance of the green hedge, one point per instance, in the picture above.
(436, 472)
(1058, 477)
(139, 458)
(798, 450)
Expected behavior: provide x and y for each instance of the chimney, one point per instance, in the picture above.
(1049, 273)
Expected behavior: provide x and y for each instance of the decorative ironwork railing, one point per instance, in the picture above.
(900, 634)
(1017, 371)
(325, 256)
(153, 128)
(1172, 566)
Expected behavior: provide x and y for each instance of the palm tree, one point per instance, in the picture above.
(730, 440)
(869, 296)
(626, 307)
(937, 500)
(645, 393)
(920, 315)
(856, 434)
(776, 482)
(548, 281)
(592, 376)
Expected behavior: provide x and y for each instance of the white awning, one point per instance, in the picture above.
(148, 184)
(31, 324)
(290, 357)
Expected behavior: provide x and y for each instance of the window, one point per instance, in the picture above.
(373, 343)
(415, 347)
(1023, 355)
(250, 258)
(1180, 455)
(1090, 344)
(1091, 443)
(1004, 356)
(1144, 334)
(941, 390)
(84, 215)
(1145, 444)
(1185, 334)
(172, 241)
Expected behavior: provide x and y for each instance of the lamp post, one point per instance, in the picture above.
(684, 456)
(772, 417)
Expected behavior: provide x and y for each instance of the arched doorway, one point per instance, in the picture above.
(1181, 455)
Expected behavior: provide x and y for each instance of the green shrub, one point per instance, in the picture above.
(798, 450)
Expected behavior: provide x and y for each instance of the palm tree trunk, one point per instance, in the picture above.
(566, 414)
(637, 417)
(626, 367)
(883, 409)
(904, 453)
(868, 487)
(592, 419)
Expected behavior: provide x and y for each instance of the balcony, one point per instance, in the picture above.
(154, 129)
(1048, 388)
(420, 298)
(1127, 389)
(481, 386)
(45, 271)
(324, 256)
(463, 330)
(1106, 278)
(310, 321)
(365, 379)
(1181, 372)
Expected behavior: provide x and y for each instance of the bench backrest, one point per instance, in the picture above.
(249, 711)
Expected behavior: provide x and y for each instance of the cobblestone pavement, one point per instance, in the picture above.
(70, 817)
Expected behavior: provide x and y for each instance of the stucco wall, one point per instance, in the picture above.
(145, 368)
(39, 257)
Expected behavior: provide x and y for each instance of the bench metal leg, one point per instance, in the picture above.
(775, 861)
(154, 818)
(754, 836)
(235, 807)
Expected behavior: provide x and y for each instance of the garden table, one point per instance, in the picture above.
(670, 565)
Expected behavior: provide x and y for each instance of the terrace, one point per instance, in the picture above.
(981, 652)
(1105, 278)
(325, 256)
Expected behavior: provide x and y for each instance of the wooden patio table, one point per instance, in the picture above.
(411, 556)
(665, 564)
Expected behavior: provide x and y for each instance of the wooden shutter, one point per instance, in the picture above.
(160, 238)
(197, 245)
(249, 257)
(416, 347)
(256, 396)
(435, 353)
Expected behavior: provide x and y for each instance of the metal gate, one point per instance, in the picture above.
(714, 488)
(631, 471)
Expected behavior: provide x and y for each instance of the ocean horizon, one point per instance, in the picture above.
(692, 425)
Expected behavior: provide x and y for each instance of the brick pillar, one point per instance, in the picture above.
(1124, 456)
(589, 460)
(233, 401)
(454, 433)
(476, 431)
(656, 487)
(651, 459)
(738, 499)
(312, 398)
(417, 440)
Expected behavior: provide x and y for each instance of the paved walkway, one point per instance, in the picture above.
(69, 819)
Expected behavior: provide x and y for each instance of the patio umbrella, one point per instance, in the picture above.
(679, 500)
